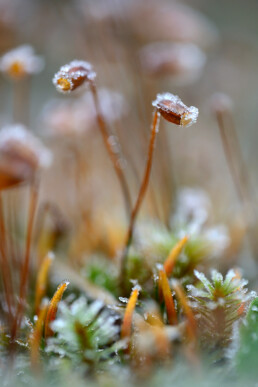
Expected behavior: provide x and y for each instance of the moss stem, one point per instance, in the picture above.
(25, 268)
(6, 274)
(141, 194)
(114, 157)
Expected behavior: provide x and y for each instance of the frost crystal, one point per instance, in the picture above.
(73, 75)
(172, 108)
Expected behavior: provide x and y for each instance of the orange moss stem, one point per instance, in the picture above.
(128, 316)
(168, 298)
(173, 255)
(42, 278)
(192, 329)
(52, 308)
(36, 337)
(141, 194)
(114, 157)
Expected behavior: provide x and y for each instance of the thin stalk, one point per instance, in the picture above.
(244, 180)
(230, 158)
(25, 268)
(35, 339)
(141, 194)
(11, 233)
(238, 171)
(112, 153)
(6, 274)
(21, 94)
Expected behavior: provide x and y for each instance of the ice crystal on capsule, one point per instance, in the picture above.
(172, 108)
(21, 155)
(73, 75)
(21, 62)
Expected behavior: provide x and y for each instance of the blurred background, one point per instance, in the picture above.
(139, 48)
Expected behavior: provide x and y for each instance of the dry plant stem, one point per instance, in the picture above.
(238, 172)
(10, 224)
(141, 194)
(243, 172)
(36, 339)
(230, 158)
(25, 268)
(6, 274)
(112, 154)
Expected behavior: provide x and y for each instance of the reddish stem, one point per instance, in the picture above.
(25, 268)
(6, 274)
(114, 157)
(141, 194)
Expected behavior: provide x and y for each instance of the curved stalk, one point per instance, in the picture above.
(112, 154)
(141, 194)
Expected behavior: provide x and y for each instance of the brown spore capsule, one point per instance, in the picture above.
(172, 108)
(73, 75)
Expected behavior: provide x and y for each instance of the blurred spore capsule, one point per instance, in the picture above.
(183, 62)
(73, 75)
(170, 21)
(21, 62)
(67, 118)
(221, 103)
(21, 155)
(172, 108)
